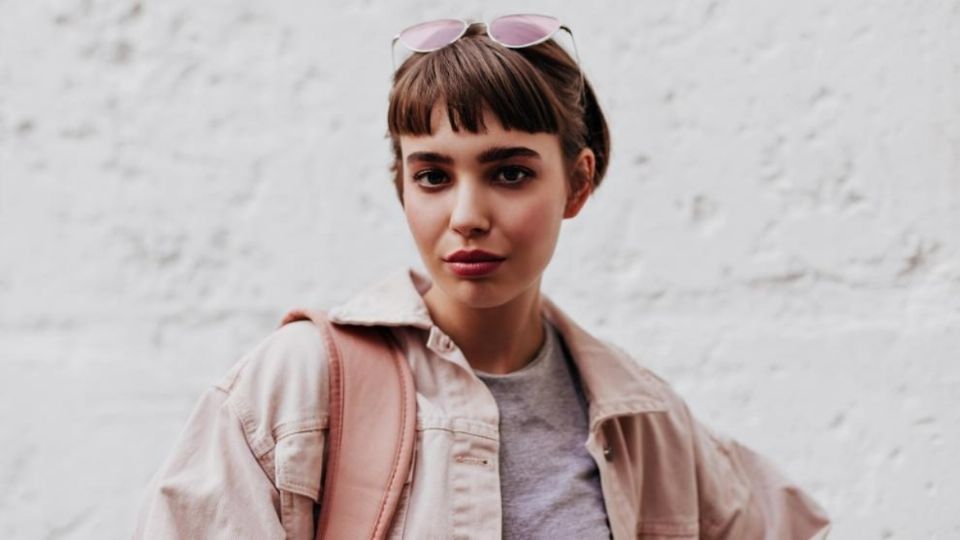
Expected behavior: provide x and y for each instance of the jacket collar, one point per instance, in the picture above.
(615, 383)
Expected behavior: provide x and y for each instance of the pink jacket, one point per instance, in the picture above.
(250, 459)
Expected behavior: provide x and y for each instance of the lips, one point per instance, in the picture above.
(475, 255)
(474, 263)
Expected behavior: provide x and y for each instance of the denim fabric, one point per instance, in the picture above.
(249, 462)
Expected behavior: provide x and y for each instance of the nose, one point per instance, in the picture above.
(470, 215)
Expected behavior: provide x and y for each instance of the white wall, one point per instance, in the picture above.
(777, 236)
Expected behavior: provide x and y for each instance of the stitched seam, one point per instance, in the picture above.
(300, 489)
(669, 529)
(286, 512)
(287, 429)
(471, 460)
(232, 404)
(404, 391)
(458, 431)
(333, 456)
(241, 410)
(294, 483)
(267, 463)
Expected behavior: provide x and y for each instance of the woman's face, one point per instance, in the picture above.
(502, 191)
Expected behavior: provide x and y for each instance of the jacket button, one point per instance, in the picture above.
(607, 452)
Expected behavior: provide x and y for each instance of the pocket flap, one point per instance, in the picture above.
(299, 463)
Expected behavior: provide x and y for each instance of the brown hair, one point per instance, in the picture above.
(533, 89)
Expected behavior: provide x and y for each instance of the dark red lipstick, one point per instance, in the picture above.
(472, 263)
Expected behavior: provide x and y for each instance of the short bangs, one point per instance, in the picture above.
(468, 76)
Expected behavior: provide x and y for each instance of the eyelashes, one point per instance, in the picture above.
(512, 172)
(426, 175)
(510, 176)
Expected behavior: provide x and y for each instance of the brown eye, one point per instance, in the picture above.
(514, 175)
(429, 178)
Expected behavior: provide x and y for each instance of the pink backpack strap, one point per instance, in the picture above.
(371, 430)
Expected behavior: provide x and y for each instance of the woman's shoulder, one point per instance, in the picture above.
(636, 368)
(295, 346)
(280, 384)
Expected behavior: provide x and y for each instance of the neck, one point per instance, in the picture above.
(498, 340)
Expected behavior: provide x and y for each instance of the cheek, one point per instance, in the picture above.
(534, 224)
(423, 220)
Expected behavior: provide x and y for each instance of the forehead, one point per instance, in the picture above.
(463, 143)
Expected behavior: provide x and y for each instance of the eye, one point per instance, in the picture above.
(514, 175)
(428, 176)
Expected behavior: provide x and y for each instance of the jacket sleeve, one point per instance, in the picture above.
(211, 486)
(743, 495)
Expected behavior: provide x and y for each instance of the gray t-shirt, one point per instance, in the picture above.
(550, 486)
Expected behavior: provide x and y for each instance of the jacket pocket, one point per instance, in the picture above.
(299, 473)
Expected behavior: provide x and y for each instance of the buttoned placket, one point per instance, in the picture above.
(597, 443)
(600, 448)
(475, 469)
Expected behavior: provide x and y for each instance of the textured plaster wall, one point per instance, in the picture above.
(777, 235)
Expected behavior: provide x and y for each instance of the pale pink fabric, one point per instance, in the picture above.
(249, 463)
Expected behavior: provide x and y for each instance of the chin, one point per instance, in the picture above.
(482, 293)
(475, 293)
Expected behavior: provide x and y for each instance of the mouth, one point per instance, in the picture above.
(473, 263)
(466, 269)
(473, 256)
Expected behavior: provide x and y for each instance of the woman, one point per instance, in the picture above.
(527, 426)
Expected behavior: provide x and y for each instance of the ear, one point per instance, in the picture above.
(583, 168)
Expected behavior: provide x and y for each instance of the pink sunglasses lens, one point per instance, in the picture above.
(522, 30)
(432, 35)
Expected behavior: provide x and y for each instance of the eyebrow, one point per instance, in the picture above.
(496, 153)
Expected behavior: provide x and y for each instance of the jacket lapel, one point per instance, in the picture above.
(615, 384)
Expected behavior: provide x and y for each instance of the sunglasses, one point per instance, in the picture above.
(513, 31)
